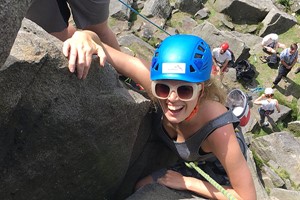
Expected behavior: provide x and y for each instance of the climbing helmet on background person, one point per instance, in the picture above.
(269, 91)
(182, 57)
(224, 46)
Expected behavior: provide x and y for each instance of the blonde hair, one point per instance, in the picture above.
(212, 91)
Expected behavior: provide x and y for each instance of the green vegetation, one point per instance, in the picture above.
(286, 3)
(282, 173)
(259, 133)
(176, 21)
(136, 48)
(259, 27)
(258, 161)
(292, 105)
(295, 186)
(154, 41)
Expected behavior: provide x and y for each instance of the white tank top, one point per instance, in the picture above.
(268, 105)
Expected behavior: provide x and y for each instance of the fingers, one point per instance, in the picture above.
(80, 58)
(102, 56)
(81, 64)
(66, 48)
(71, 54)
(84, 60)
(79, 50)
(72, 59)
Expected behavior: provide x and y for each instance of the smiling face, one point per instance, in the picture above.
(175, 108)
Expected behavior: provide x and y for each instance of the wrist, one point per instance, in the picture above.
(188, 183)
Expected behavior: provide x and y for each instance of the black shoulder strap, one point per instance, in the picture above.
(204, 132)
(222, 120)
(195, 141)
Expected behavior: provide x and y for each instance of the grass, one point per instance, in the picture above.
(286, 94)
(282, 173)
(176, 21)
(286, 3)
(258, 161)
(259, 133)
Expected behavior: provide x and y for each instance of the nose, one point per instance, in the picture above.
(173, 96)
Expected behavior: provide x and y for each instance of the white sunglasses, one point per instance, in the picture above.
(184, 91)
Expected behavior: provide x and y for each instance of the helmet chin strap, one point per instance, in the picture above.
(193, 113)
(196, 109)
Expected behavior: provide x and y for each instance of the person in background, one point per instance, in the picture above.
(270, 44)
(53, 16)
(191, 116)
(221, 58)
(288, 58)
(267, 105)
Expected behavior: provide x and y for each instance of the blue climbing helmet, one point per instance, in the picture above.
(182, 57)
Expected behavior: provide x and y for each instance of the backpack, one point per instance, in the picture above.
(231, 63)
(245, 71)
(273, 60)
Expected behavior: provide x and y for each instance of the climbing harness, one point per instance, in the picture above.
(136, 12)
(210, 180)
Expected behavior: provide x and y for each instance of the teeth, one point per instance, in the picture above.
(174, 107)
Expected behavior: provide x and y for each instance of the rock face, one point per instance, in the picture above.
(11, 16)
(63, 138)
(284, 155)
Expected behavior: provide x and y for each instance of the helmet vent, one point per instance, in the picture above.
(192, 69)
(156, 67)
(200, 48)
(156, 54)
(197, 55)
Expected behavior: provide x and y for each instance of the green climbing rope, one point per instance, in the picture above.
(211, 181)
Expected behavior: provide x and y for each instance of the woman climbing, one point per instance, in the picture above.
(192, 118)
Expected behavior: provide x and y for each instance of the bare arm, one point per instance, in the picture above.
(215, 61)
(224, 145)
(84, 44)
(269, 49)
(284, 64)
(135, 68)
(258, 100)
(226, 148)
(294, 61)
(225, 63)
(292, 64)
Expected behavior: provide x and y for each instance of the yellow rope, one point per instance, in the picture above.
(211, 181)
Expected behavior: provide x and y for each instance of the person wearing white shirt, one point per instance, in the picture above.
(221, 57)
(267, 105)
(270, 43)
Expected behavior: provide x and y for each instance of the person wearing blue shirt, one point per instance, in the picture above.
(288, 59)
